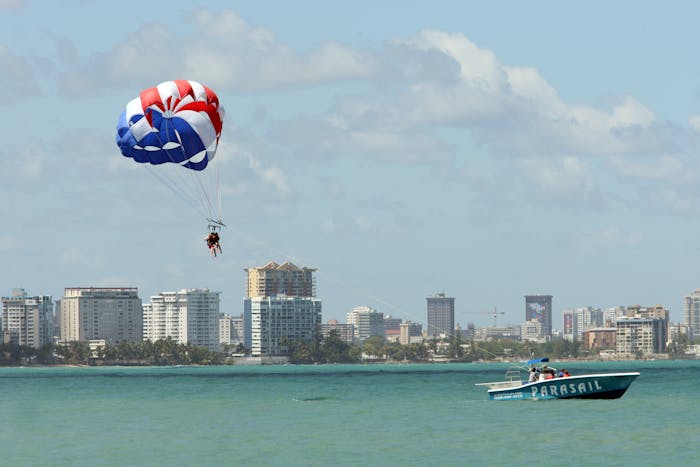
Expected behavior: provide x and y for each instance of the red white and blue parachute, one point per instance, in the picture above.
(177, 123)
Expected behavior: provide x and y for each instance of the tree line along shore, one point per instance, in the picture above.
(330, 349)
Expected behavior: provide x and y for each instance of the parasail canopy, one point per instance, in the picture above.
(176, 123)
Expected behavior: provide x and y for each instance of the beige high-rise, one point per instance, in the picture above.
(280, 279)
(112, 314)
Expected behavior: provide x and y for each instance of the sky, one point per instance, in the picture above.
(485, 150)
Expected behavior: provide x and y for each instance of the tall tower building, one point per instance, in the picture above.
(570, 328)
(280, 305)
(27, 320)
(691, 313)
(441, 315)
(539, 308)
(96, 313)
(190, 316)
(280, 279)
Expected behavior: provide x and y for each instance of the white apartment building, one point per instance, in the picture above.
(611, 315)
(230, 330)
(275, 318)
(190, 316)
(691, 313)
(27, 320)
(580, 320)
(94, 313)
(367, 321)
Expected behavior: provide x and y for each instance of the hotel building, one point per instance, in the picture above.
(280, 305)
(26, 320)
(280, 279)
(691, 313)
(101, 313)
(190, 316)
(367, 321)
(276, 319)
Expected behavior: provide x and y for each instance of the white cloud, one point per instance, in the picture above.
(8, 243)
(224, 53)
(562, 181)
(22, 164)
(255, 177)
(16, 77)
(694, 122)
(673, 201)
(511, 110)
(77, 258)
(11, 5)
(363, 225)
(328, 226)
(609, 237)
(664, 168)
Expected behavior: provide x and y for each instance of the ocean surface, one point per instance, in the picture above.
(403, 415)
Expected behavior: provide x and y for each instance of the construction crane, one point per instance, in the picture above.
(493, 313)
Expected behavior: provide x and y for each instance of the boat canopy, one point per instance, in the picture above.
(538, 360)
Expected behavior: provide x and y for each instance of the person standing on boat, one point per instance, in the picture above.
(533, 375)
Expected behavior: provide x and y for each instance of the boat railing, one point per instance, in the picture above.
(512, 379)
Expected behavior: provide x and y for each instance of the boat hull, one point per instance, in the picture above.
(603, 386)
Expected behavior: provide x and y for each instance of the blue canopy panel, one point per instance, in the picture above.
(173, 140)
(537, 360)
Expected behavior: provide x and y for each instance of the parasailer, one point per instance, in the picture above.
(213, 242)
(175, 128)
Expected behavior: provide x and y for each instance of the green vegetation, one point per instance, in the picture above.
(162, 352)
(331, 349)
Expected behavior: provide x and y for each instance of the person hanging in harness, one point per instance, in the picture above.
(213, 242)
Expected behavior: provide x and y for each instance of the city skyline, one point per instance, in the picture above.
(416, 149)
(558, 319)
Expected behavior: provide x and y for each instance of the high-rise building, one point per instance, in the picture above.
(230, 330)
(441, 315)
(56, 331)
(691, 313)
(661, 316)
(367, 321)
(280, 279)
(570, 328)
(611, 315)
(580, 320)
(274, 320)
(101, 313)
(190, 316)
(280, 305)
(539, 308)
(27, 320)
(640, 337)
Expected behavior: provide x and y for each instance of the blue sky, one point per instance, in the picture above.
(487, 150)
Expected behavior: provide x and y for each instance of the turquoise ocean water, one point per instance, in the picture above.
(340, 415)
